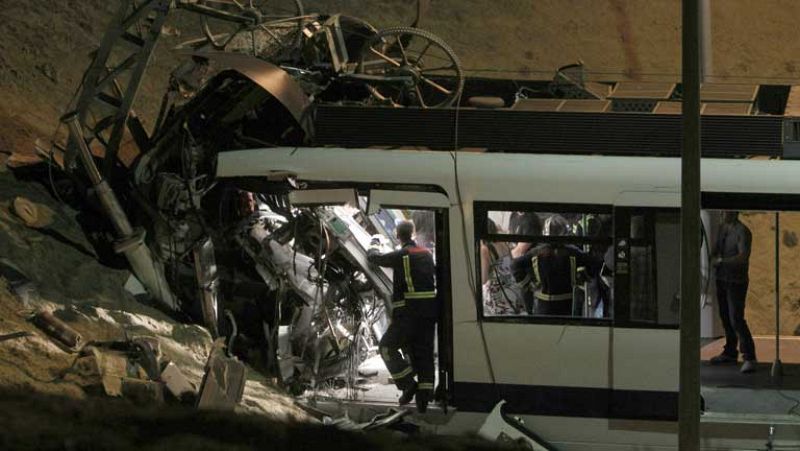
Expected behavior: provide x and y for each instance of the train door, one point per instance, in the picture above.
(359, 220)
(763, 289)
(645, 337)
(429, 213)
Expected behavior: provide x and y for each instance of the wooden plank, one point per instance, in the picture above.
(724, 92)
(642, 90)
(707, 108)
(585, 106)
(793, 102)
(668, 107)
(727, 109)
(538, 104)
(599, 90)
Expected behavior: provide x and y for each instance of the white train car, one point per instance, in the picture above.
(602, 382)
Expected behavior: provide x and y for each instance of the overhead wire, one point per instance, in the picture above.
(470, 278)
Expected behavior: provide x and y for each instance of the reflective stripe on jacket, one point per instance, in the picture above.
(555, 274)
(414, 285)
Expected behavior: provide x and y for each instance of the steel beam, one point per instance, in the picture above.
(130, 241)
(689, 397)
(109, 88)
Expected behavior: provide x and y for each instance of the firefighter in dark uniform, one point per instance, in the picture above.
(553, 271)
(415, 310)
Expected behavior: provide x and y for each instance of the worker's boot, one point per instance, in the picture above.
(423, 396)
(408, 394)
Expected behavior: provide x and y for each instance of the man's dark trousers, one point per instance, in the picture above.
(413, 334)
(731, 297)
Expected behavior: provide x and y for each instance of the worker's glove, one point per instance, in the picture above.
(375, 242)
(374, 246)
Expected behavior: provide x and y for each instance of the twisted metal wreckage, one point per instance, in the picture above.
(293, 281)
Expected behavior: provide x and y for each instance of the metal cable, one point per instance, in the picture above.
(470, 279)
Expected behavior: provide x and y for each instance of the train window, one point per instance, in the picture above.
(544, 261)
(650, 288)
(532, 224)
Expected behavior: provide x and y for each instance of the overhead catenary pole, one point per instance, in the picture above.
(776, 373)
(707, 56)
(689, 380)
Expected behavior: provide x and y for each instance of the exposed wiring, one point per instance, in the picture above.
(234, 332)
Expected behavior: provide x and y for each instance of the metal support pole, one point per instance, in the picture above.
(707, 55)
(689, 396)
(776, 374)
(131, 242)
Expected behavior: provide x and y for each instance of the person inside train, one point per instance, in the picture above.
(731, 258)
(527, 224)
(415, 310)
(499, 290)
(552, 271)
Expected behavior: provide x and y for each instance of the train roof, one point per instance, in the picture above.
(553, 178)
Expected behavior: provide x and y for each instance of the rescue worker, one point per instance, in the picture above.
(415, 310)
(554, 271)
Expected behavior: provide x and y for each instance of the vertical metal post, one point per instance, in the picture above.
(776, 373)
(131, 242)
(707, 52)
(689, 396)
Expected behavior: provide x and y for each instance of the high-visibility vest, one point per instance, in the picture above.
(555, 276)
(419, 292)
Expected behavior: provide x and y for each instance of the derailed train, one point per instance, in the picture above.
(306, 304)
(579, 381)
(291, 284)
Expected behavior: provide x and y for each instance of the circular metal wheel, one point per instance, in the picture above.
(434, 74)
(259, 26)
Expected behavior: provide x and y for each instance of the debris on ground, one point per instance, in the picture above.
(31, 213)
(18, 160)
(59, 272)
(13, 336)
(19, 284)
(58, 330)
(385, 419)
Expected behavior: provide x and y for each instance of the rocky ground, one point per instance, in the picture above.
(47, 401)
(57, 423)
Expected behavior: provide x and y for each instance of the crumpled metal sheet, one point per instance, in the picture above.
(272, 78)
(385, 419)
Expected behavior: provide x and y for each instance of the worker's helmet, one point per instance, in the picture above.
(555, 225)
